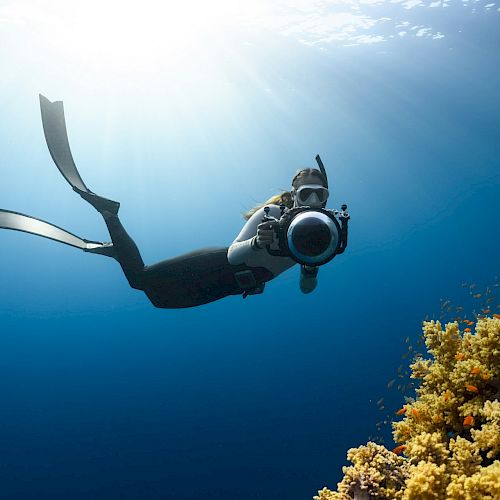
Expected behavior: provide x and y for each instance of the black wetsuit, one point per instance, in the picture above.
(188, 280)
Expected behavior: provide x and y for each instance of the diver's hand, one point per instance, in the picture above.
(266, 234)
(308, 278)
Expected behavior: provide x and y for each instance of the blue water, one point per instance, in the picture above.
(104, 396)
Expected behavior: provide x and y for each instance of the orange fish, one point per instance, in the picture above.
(438, 418)
(470, 323)
(469, 420)
(447, 395)
(399, 449)
(459, 356)
(477, 295)
(471, 388)
(497, 316)
(467, 330)
(486, 311)
(415, 413)
(401, 411)
(475, 371)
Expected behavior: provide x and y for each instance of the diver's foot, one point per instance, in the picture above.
(98, 202)
(104, 249)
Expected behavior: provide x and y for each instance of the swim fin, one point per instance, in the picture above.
(56, 135)
(32, 225)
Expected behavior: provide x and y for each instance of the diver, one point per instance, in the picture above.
(293, 227)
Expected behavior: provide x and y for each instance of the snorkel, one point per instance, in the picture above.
(311, 236)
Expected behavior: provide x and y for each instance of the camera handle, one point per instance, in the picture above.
(268, 218)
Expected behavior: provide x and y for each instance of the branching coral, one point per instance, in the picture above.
(376, 472)
(450, 433)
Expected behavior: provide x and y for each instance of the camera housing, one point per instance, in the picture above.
(310, 236)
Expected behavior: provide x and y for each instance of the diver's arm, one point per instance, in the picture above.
(308, 278)
(244, 249)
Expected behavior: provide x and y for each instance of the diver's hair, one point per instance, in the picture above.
(306, 172)
(285, 197)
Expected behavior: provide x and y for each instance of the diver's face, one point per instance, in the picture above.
(309, 193)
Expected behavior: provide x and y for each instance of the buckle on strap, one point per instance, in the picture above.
(247, 283)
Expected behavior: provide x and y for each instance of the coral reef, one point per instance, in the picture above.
(449, 434)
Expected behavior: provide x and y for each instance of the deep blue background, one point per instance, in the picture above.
(103, 396)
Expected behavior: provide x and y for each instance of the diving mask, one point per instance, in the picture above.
(311, 194)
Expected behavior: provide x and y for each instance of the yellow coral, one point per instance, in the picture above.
(484, 485)
(488, 437)
(465, 458)
(376, 472)
(428, 447)
(326, 494)
(451, 431)
(427, 481)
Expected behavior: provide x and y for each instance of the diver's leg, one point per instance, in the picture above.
(126, 250)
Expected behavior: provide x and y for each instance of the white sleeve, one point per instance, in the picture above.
(241, 250)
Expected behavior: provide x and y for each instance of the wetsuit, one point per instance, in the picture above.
(188, 280)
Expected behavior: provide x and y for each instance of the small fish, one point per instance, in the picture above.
(471, 388)
(390, 383)
(447, 395)
(470, 323)
(497, 316)
(477, 295)
(400, 368)
(399, 449)
(415, 413)
(401, 411)
(407, 339)
(467, 330)
(380, 401)
(472, 286)
(475, 371)
(405, 355)
(486, 311)
(459, 356)
(438, 419)
(469, 420)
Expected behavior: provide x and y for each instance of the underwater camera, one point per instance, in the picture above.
(310, 236)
